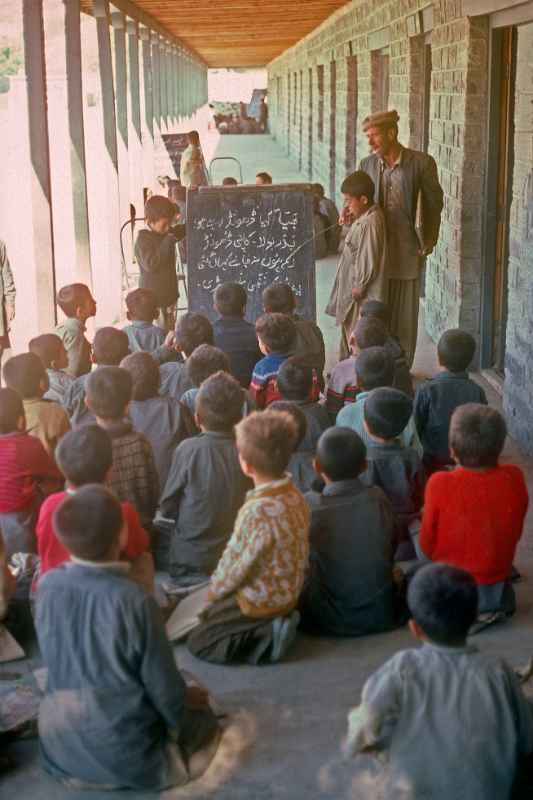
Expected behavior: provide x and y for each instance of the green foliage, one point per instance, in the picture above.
(10, 63)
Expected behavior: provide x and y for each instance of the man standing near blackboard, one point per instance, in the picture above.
(192, 168)
(361, 274)
(408, 190)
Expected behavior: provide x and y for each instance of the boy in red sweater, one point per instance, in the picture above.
(85, 456)
(473, 515)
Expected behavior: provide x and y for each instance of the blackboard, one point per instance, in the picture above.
(254, 236)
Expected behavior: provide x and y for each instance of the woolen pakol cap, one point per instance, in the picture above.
(381, 118)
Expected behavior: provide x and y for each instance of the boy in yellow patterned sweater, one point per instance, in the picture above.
(254, 590)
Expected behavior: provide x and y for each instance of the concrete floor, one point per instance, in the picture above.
(286, 721)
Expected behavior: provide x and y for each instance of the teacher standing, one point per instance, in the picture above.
(408, 190)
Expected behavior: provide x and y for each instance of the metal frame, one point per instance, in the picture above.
(224, 158)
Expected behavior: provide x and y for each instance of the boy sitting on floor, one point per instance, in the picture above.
(116, 712)
(233, 334)
(392, 466)
(52, 353)
(349, 590)
(201, 364)
(26, 474)
(205, 487)
(301, 465)
(278, 298)
(437, 399)
(295, 384)
(46, 420)
(254, 590)
(110, 346)
(192, 330)
(444, 720)
(474, 515)
(77, 304)
(374, 369)
(143, 335)
(134, 474)
(276, 334)
(85, 456)
(342, 384)
(375, 309)
(158, 418)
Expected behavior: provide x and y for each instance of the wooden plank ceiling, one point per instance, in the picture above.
(238, 33)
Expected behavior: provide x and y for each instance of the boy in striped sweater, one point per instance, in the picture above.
(254, 590)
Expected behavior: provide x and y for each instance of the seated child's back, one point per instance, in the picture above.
(295, 384)
(443, 719)
(77, 304)
(301, 466)
(143, 335)
(46, 420)
(349, 589)
(206, 486)
(474, 515)
(375, 309)
(158, 418)
(114, 697)
(192, 330)
(233, 334)
(52, 353)
(437, 399)
(275, 333)
(134, 475)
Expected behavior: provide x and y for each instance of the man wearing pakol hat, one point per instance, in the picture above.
(407, 188)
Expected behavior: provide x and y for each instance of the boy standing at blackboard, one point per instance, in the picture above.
(155, 251)
(361, 274)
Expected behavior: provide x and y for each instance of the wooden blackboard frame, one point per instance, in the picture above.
(212, 259)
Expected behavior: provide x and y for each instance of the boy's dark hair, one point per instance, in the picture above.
(375, 309)
(25, 373)
(192, 330)
(11, 410)
(318, 189)
(71, 297)
(47, 347)
(374, 368)
(110, 346)
(230, 299)
(159, 207)
(295, 380)
(387, 412)
(276, 331)
(88, 522)
(359, 184)
(477, 435)
(219, 402)
(193, 137)
(205, 361)
(266, 440)
(341, 454)
(265, 177)
(300, 420)
(279, 298)
(142, 304)
(145, 375)
(456, 350)
(369, 332)
(229, 181)
(443, 600)
(85, 455)
(108, 392)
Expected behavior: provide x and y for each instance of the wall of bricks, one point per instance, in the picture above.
(353, 38)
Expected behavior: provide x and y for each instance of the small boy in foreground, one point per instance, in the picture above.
(474, 515)
(77, 304)
(116, 712)
(27, 473)
(206, 486)
(437, 399)
(52, 353)
(46, 420)
(276, 334)
(143, 335)
(446, 720)
(349, 589)
(233, 334)
(85, 456)
(134, 475)
(254, 590)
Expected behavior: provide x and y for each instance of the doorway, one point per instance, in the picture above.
(499, 198)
